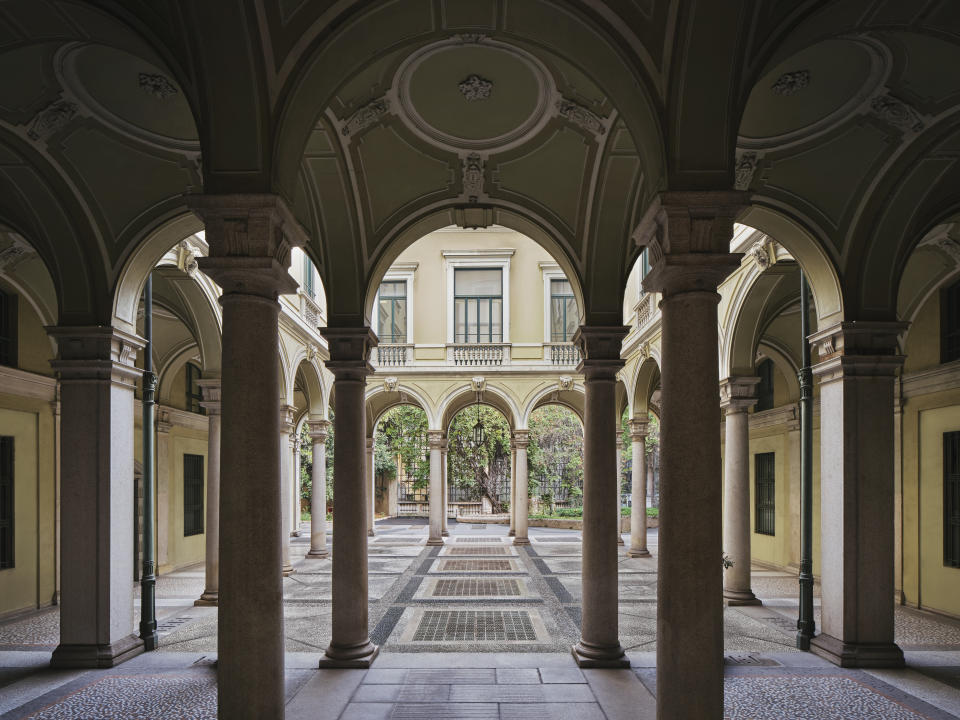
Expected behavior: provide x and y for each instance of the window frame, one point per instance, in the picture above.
(398, 272)
(192, 497)
(951, 499)
(393, 304)
(478, 260)
(571, 296)
(193, 399)
(309, 283)
(8, 560)
(765, 495)
(489, 300)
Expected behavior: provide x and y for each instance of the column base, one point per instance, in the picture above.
(620, 540)
(287, 570)
(96, 656)
(208, 599)
(737, 598)
(857, 655)
(445, 533)
(593, 656)
(318, 554)
(435, 541)
(354, 657)
(511, 533)
(638, 552)
(371, 533)
(521, 541)
(295, 533)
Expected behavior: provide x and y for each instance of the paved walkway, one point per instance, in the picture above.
(479, 629)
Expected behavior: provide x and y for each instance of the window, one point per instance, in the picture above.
(194, 395)
(951, 499)
(765, 388)
(644, 264)
(765, 493)
(6, 502)
(192, 495)
(8, 329)
(563, 311)
(478, 305)
(309, 286)
(950, 323)
(392, 312)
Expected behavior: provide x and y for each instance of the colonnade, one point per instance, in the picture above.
(688, 237)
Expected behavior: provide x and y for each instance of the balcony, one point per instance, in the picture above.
(392, 355)
(477, 354)
(645, 309)
(562, 353)
(310, 311)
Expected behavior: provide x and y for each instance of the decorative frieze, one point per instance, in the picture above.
(745, 169)
(580, 116)
(368, 115)
(473, 177)
(897, 113)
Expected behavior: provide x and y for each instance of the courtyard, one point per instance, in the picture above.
(479, 628)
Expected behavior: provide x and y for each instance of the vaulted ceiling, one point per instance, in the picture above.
(380, 119)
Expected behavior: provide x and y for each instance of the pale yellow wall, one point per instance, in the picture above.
(33, 345)
(923, 339)
(175, 394)
(31, 583)
(430, 286)
(184, 550)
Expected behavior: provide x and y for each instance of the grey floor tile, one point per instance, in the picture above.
(367, 711)
(561, 675)
(376, 693)
(551, 711)
(518, 676)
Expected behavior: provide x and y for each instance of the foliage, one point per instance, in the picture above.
(306, 464)
(401, 438)
(555, 455)
(484, 468)
(653, 512)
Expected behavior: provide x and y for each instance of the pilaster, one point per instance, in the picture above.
(210, 387)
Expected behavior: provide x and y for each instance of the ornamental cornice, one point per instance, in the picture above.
(638, 430)
(738, 394)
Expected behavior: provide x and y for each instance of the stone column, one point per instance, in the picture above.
(250, 238)
(688, 235)
(737, 396)
(446, 490)
(513, 489)
(286, 455)
(350, 645)
(319, 429)
(619, 486)
(521, 438)
(295, 514)
(211, 403)
(435, 439)
(371, 489)
(638, 494)
(599, 644)
(858, 362)
(97, 380)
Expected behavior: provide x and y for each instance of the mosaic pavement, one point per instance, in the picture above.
(479, 628)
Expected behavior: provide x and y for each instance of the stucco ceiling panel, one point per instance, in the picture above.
(27, 83)
(472, 14)
(923, 76)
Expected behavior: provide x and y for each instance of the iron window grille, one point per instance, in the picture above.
(765, 509)
(6, 503)
(8, 329)
(392, 318)
(192, 495)
(564, 317)
(951, 499)
(950, 323)
(478, 305)
(765, 387)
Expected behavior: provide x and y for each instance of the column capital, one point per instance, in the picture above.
(250, 236)
(619, 441)
(521, 438)
(687, 234)
(599, 347)
(319, 430)
(369, 443)
(738, 394)
(286, 418)
(210, 388)
(638, 430)
(436, 439)
(97, 352)
(858, 348)
(349, 351)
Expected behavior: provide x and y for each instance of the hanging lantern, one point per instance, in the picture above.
(478, 434)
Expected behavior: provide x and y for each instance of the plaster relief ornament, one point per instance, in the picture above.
(791, 83)
(478, 383)
(390, 384)
(469, 38)
(157, 85)
(52, 118)
(473, 176)
(366, 116)
(580, 116)
(187, 258)
(475, 88)
(760, 255)
(565, 382)
(897, 113)
(16, 253)
(744, 171)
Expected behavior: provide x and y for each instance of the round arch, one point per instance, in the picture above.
(645, 382)
(202, 317)
(491, 395)
(313, 381)
(571, 398)
(380, 399)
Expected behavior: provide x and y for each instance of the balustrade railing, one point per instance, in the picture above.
(479, 354)
(393, 355)
(563, 354)
(645, 309)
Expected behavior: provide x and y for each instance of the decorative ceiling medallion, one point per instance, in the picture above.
(157, 85)
(791, 83)
(366, 116)
(475, 88)
(896, 112)
(580, 116)
(52, 118)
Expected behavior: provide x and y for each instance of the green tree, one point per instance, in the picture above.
(484, 468)
(555, 455)
(402, 435)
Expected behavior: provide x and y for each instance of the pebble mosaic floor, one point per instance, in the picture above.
(479, 628)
